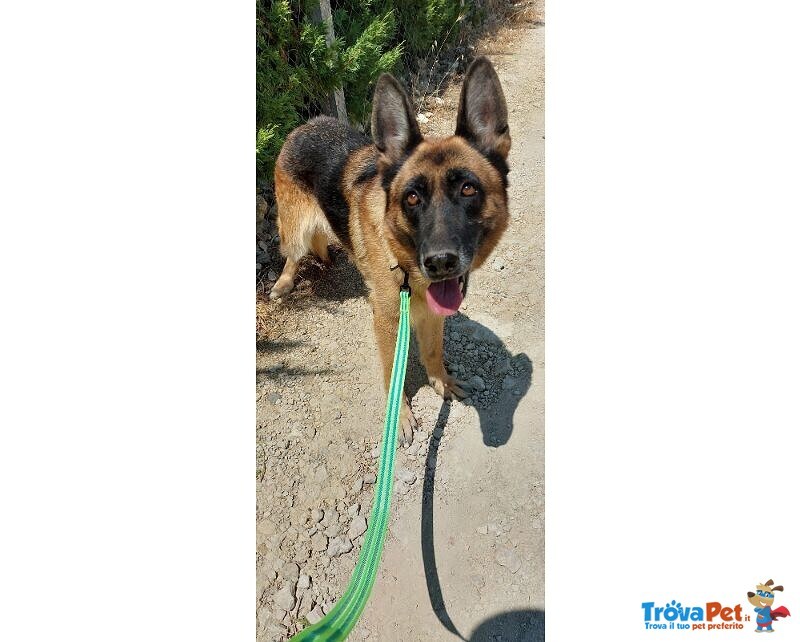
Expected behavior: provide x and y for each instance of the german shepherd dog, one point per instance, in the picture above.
(434, 207)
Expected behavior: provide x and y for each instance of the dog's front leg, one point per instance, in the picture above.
(385, 317)
(429, 328)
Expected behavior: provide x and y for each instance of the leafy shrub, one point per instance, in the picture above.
(296, 69)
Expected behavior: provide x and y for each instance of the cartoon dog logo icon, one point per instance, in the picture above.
(762, 599)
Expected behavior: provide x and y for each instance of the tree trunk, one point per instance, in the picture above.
(333, 104)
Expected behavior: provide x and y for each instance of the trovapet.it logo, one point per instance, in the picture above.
(711, 615)
(717, 615)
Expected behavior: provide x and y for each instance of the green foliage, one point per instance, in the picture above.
(366, 58)
(428, 23)
(296, 69)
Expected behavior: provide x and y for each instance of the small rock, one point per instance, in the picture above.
(304, 582)
(331, 517)
(353, 510)
(319, 542)
(284, 598)
(370, 478)
(306, 602)
(317, 515)
(438, 101)
(315, 614)
(477, 581)
(375, 453)
(477, 383)
(422, 119)
(265, 527)
(406, 476)
(357, 528)
(271, 275)
(357, 486)
(503, 366)
(509, 559)
(498, 263)
(263, 615)
(339, 545)
(310, 432)
(261, 208)
(274, 632)
(273, 397)
(509, 382)
(290, 571)
(482, 530)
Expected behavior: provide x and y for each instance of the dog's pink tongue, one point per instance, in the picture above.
(444, 297)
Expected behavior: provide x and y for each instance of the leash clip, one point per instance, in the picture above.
(405, 285)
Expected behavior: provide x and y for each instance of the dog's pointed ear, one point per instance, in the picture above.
(778, 588)
(768, 583)
(394, 128)
(482, 113)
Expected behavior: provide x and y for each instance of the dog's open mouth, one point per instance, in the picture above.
(445, 297)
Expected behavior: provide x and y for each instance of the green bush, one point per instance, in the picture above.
(296, 69)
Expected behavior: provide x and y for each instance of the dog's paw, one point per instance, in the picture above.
(448, 387)
(408, 424)
(282, 287)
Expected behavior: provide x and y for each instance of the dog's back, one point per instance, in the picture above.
(314, 157)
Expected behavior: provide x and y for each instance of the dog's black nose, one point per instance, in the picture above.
(441, 265)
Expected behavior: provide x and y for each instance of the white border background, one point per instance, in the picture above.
(673, 348)
(127, 460)
(126, 466)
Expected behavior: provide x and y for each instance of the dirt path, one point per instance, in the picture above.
(465, 549)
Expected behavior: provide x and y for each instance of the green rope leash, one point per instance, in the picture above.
(337, 624)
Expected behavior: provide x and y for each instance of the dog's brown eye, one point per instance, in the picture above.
(412, 199)
(468, 189)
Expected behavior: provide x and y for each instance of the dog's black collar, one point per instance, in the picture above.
(405, 285)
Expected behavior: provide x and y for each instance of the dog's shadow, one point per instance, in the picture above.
(525, 624)
(499, 379)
